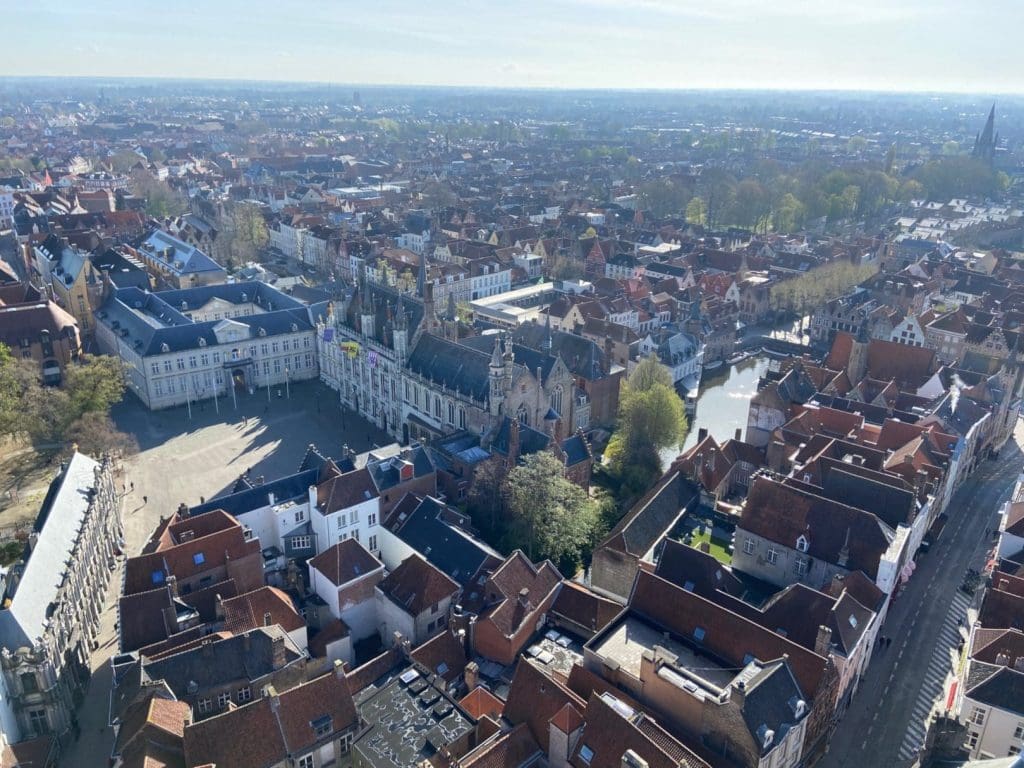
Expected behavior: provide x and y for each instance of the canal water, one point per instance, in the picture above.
(722, 402)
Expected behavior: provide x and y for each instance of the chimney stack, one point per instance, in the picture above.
(277, 651)
(823, 641)
(472, 675)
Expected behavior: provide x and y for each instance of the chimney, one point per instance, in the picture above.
(738, 693)
(524, 598)
(472, 675)
(172, 584)
(312, 499)
(823, 641)
(339, 669)
(247, 643)
(206, 649)
(631, 759)
(702, 433)
(738, 437)
(405, 472)
(218, 608)
(270, 692)
(277, 651)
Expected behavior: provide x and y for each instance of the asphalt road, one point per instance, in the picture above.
(873, 728)
(183, 459)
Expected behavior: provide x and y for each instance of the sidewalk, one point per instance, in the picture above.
(96, 740)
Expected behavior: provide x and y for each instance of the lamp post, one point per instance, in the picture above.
(287, 383)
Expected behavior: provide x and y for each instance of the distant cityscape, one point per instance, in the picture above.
(463, 427)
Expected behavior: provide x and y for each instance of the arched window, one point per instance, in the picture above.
(556, 400)
(523, 416)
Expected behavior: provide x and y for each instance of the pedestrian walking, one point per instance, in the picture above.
(145, 499)
(202, 499)
(133, 486)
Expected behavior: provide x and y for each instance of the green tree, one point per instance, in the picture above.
(696, 212)
(951, 148)
(651, 418)
(790, 214)
(94, 385)
(553, 516)
(161, 201)
(662, 197)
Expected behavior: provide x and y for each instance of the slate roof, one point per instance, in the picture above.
(152, 320)
(191, 259)
(61, 516)
(649, 519)
(255, 497)
(1003, 689)
(770, 702)
(455, 366)
(683, 565)
(431, 532)
(218, 662)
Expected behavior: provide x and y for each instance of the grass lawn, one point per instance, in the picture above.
(717, 550)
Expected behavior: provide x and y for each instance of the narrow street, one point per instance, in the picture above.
(873, 729)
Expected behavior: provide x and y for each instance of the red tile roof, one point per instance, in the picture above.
(345, 561)
(250, 610)
(416, 585)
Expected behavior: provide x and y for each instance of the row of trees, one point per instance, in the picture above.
(803, 294)
(775, 198)
(78, 411)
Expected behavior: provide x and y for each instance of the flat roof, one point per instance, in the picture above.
(628, 640)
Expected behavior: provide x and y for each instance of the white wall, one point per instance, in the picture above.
(995, 735)
(329, 533)
(391, 619)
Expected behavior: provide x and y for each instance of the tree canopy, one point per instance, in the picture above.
(552, 516)
(651, 418)
(49, 414)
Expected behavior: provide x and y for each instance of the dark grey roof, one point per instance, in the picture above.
(1004, 689)
(184, 259)
(246, 500)
(442, 543)
(455, 366)
(645, 524)
(576, 450)
(530, 440)
(772, 694)
(386, 473)
(154, 319)
(248, 656)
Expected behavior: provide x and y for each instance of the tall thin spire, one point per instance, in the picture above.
(421, 278)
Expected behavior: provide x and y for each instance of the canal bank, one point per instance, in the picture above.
(723, 401)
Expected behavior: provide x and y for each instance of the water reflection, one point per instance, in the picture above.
(723, 402)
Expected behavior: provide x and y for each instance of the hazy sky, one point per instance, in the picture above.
(956, 45)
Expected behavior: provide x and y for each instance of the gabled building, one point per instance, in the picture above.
(312, 724)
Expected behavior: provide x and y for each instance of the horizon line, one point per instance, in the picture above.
(907, 91)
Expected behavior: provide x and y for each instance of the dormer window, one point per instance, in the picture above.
(802, 544)
(263, 332)
(322, 726)
(202, 342)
